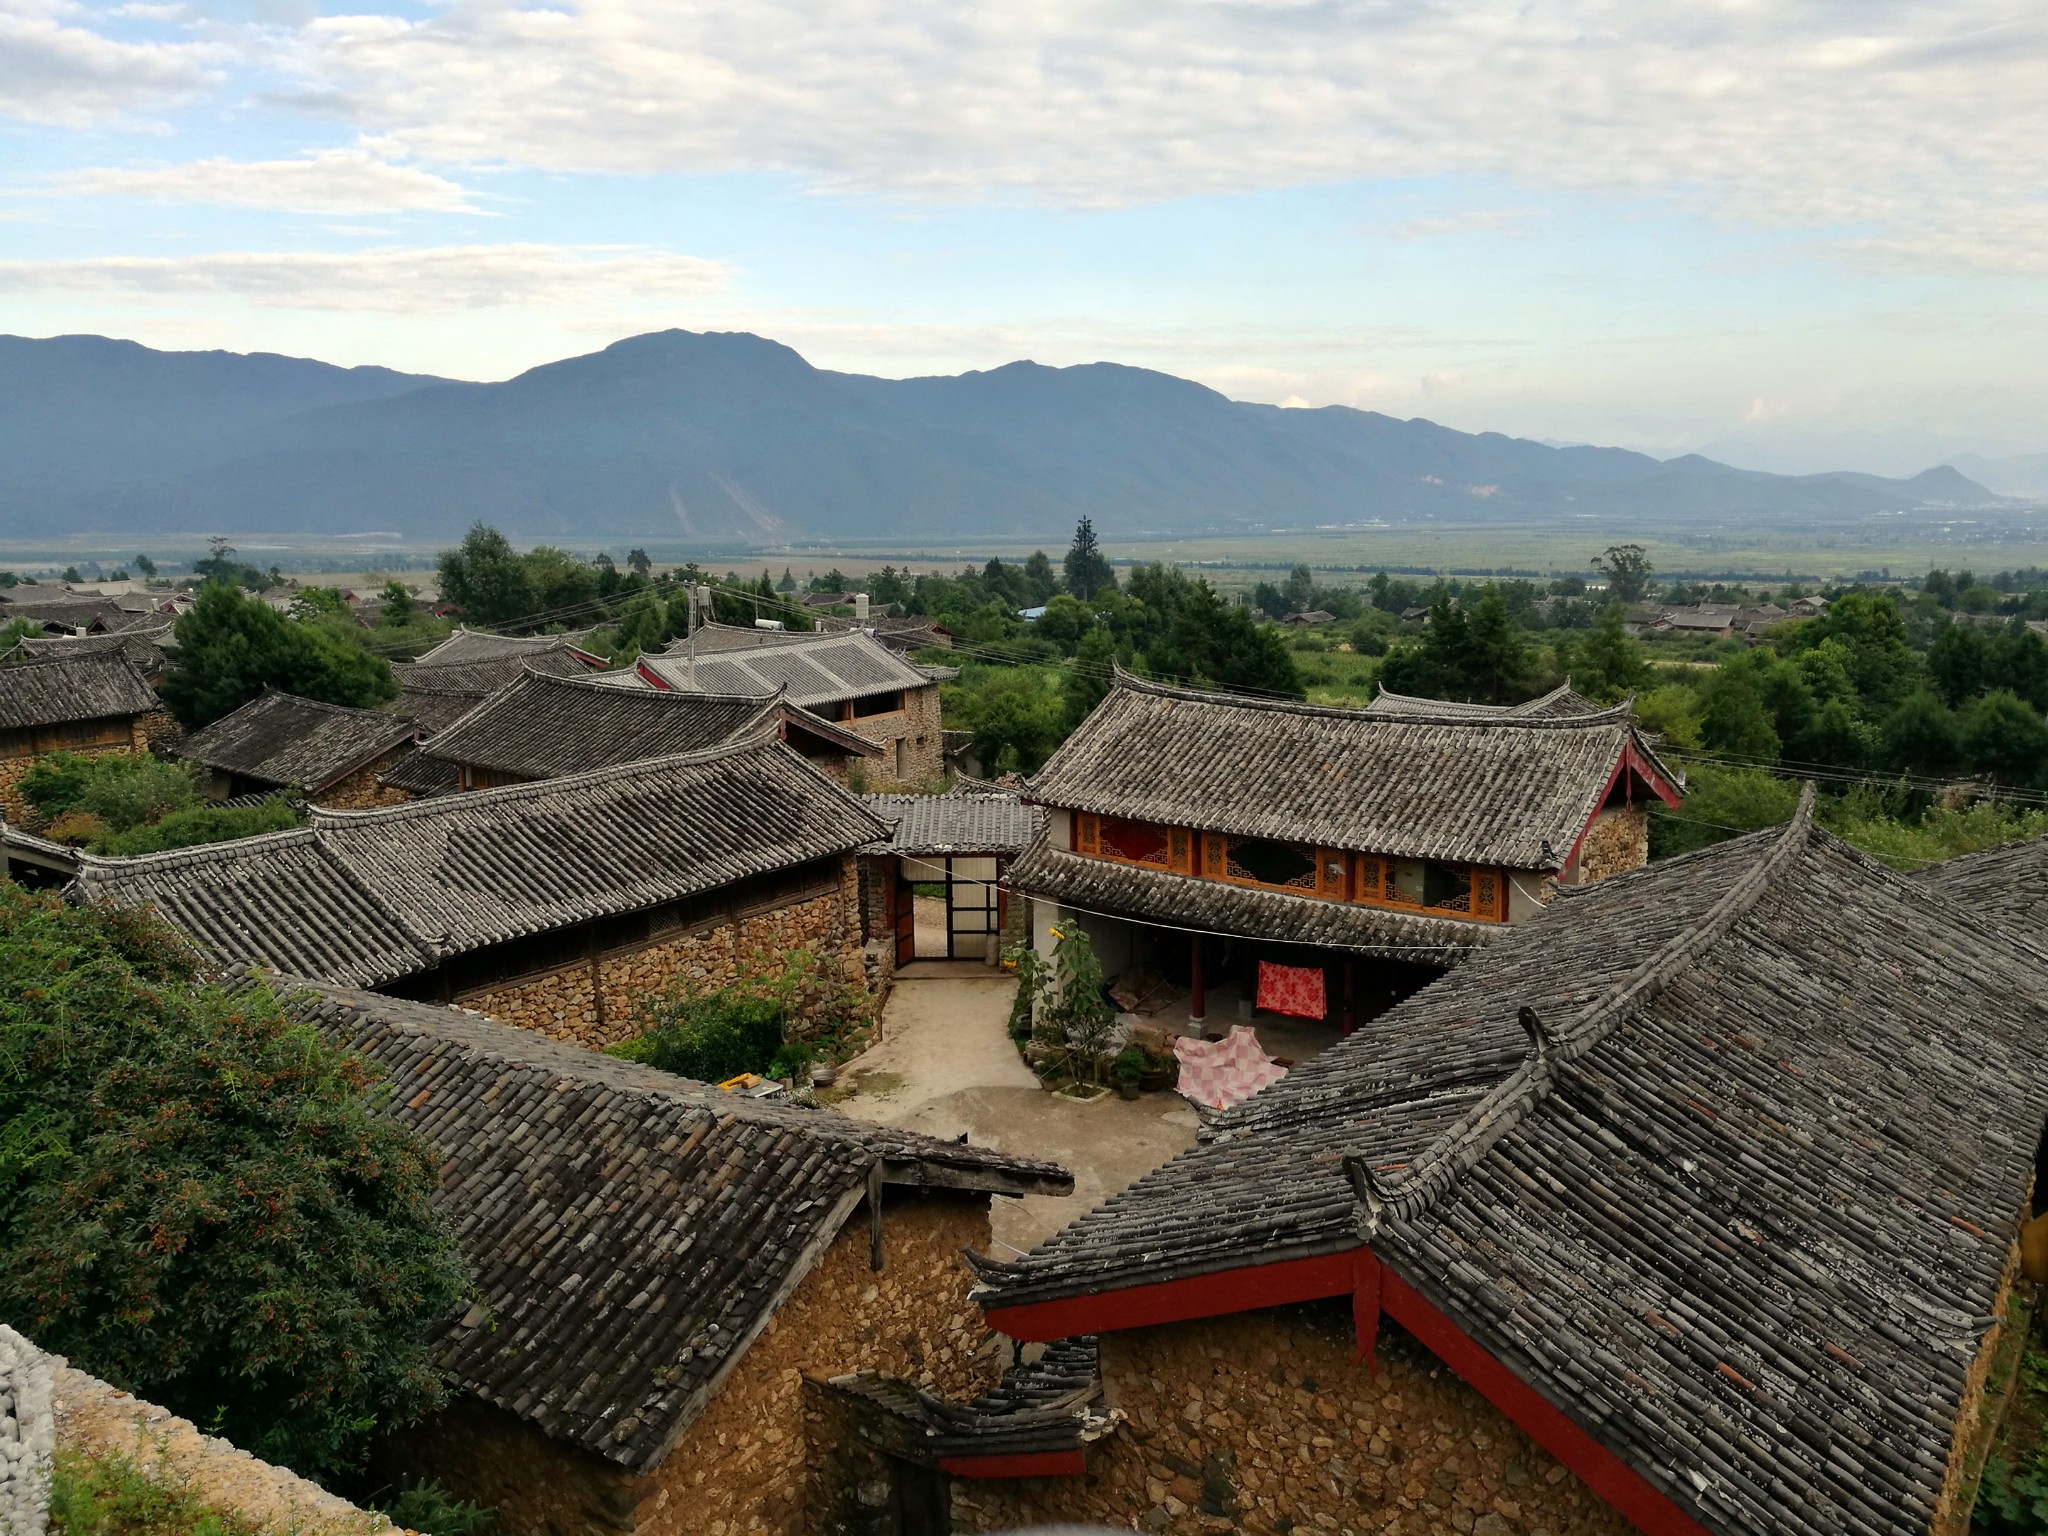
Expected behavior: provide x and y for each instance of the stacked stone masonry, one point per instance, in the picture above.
(921, 761)
(360, 791)
(14, 769)
(1618, 840)
(54, 1409)
(1260, 1423)
(595, 1002)
(748, 1466)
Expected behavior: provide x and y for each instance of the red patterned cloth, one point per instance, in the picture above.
(1220, 1073)
(1295, 990)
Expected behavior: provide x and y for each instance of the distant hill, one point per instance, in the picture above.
(2020, 474)
(730, 436)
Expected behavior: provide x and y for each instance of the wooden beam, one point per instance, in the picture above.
(1175, 1301)
(1019, 1464)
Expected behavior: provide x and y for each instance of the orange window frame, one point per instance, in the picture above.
(1180, 845)
(1329, 865)
(1486, 897)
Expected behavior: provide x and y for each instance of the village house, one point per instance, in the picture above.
(1344, 856)
(961, 843)
(1691, 1205)
(144, 640)
(472, 645)
(557, 906)
(849, 678)
(89, 705)
(658, 1265)
(543, 727)
(435, 695)
(1309, 618)
(281, 743)
(58, 612)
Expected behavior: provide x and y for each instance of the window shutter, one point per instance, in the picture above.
(1330, 880)
(1090, 833)
(1488, 893)
(1214, 849)
(1180, 850)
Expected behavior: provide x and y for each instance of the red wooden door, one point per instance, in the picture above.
(906, 919)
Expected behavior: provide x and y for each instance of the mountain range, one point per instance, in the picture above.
(730, 437)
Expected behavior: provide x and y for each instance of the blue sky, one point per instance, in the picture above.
(1795, 235)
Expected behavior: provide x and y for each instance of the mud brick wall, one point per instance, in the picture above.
(1618, 840)
(591, 1002)
(1259, 1423)
(1978, 1421)
(360, 791)
(916, 724)
(749, 1463)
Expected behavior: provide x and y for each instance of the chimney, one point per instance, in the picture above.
(860, 608)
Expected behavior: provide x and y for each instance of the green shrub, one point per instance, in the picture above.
(432, 1510)
(124, 790)
(112, 1496)
(710, 1037)
(1130, 1064)
(201, 824)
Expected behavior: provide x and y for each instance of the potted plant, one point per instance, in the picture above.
(1161, 1071)
(1129, 1068)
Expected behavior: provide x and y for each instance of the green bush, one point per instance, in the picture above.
(112, 1496)
(201, 824)
(711, 1037)
(1130, 1064)
(200, 1202)
(122, 789)
(432, 1510)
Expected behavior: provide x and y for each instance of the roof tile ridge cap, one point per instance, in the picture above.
(1191, 694)
(197, 854)
(1433, 1171)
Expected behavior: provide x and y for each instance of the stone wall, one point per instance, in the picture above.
(1259, 1423)
(14, 769)
(1977, 1424)
(1618, 840)
(47, 1406)
(159, 731)
(748, 1464)
(360, 791)
(917, 725)
(591, 1002)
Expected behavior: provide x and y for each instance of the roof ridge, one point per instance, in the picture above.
(588, 681)
(733, 747)
(1431, 1172)
(272, 691)
(1123, 679)
(197, 853)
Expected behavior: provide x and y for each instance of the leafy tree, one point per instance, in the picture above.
(395, 605)
(1721, 802)
(119, 790)
(71, 575)
(1627, 569)
(1958, 663)
(1497, 661)
(192, 825)
(1735, 720)
(1610, 662)
(1881, 663)
(230, 648)
(1086, 683)
(1086, 570)
(2000, 735)
(1016, 716)
(145, 565)
(485, 578)
(1837, 736)
(198, 1200)
(1921, 735)
(1038, 575)
(564, 588)
(788, 582)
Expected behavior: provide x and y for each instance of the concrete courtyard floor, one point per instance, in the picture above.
(945, 1064)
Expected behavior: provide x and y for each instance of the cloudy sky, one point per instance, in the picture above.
(1789, 232)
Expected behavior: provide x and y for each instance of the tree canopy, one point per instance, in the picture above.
(1086, 569)
(231, 647)
(199, 1201)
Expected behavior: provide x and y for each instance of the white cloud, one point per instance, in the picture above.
(1489, 220)
(1911, 128)
(54, 71)
(330, 181)
(427, 281)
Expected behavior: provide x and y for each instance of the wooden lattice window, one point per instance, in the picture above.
(1489, 895)
(1277, 866)
(1428, 885)
(1215, 847)
(1180, 856)
(1087, 833)
(1131, 842)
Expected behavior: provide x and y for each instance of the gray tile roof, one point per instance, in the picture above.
(63, 609)
(1051, 1404)
(630, 1231)
(143, 643)
(812, 668)
(364, 897)
(295, 743)
(976, 822)
(436, 696)
(2010, 883)
(56, 690)
(420, 775)
(1506, 790)
(1560, 701)
(542, 727)
(467, 645)
(1723, 1157)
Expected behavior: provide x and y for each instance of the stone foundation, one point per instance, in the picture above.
(749, 1463)
(593, 1002)
(1618, 840)
(1259, 1423)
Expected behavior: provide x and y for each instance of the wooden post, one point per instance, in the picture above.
(1198, 994)
(1350, 993)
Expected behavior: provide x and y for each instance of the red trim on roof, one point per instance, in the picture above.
(1023, 1464)
(1374, 1289)
(1630, 761)
(653, 678)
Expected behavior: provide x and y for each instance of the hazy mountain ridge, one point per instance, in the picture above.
(730, 436)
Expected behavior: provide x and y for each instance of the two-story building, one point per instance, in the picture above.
(849, 678)
(1359, 852)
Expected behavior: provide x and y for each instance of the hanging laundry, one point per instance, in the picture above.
(1295, 990)
(1220, 1073)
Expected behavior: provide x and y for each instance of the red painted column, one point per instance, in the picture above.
(1198, 994)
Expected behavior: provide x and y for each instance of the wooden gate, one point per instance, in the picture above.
(904, 904)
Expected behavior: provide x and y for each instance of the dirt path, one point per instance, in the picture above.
(945, 1065)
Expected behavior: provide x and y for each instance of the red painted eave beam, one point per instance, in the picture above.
(1176, 1301)
(1034, 1464)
